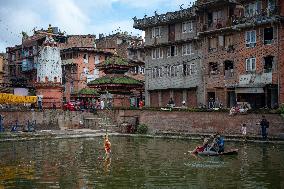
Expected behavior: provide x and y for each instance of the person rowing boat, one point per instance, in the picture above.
(213, 147)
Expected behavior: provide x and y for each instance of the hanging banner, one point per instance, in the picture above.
(15, 99)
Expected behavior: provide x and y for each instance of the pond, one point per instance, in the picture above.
(137, 163)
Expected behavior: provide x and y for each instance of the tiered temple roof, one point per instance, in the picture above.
(115, 81)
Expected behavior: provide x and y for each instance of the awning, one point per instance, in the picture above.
(249, 90)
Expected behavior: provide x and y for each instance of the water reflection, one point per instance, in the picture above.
(136, 163)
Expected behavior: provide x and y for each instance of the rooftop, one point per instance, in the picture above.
(169, 17)
(115, 79)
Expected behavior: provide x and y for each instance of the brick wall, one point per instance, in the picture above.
(281, 62)
(78, 41)
(202, 122)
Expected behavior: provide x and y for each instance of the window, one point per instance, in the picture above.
(229, 69)
(268, 35)
(271, 6)
(187, 49)
(251, 38)
(192, 69)
(169, 71)
(228, 42)
(212, 44)
(250, 64)
(188, 69)
(213, 68)
(160, 72)
(154, 53)
(142, 70)
(157, 53)
(156, 32)
(217, 19)
(154, 71)
(252, 9)
(210, 19)
(172, 51)
(187, 27)
(221, 40)
(268, 64)
(86, 58)
(173, 71)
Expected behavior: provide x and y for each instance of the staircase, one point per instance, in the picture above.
(102, 120)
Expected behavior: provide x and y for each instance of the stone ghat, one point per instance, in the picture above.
(158, 122)
(201, 122)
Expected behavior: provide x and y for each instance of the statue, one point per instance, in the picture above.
(156, 14)
(25, 35)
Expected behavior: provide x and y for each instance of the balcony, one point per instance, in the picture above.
(68, 61)
(263, 17)
(167, 18)
(28, 65)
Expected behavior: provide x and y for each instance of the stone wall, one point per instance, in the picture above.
(48, 119)
(157, 121)
(200, 122)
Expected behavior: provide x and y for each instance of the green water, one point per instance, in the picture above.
(137, 163)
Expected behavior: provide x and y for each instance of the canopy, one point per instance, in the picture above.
(249, 90)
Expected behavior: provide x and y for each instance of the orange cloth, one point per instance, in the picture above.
(107, 146)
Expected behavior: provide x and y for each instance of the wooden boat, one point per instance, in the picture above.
(213, 153)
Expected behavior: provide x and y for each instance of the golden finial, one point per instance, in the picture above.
(49, 30)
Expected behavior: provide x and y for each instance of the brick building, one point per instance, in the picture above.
(240, 48)
(79, 68)
(238, 44)
(173, 63)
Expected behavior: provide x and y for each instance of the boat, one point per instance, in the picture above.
(213, 153)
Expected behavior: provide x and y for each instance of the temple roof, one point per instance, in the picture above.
(88, 91)
(122, 80)
(114, 64)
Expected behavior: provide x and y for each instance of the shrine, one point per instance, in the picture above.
(116, 88)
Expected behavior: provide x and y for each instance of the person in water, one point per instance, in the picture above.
(107, 146)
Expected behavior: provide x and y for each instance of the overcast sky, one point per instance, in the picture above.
(76, 16)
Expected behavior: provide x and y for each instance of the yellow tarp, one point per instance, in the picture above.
(15, 99)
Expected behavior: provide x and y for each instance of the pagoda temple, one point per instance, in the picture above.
(115, 83)
(49, 73)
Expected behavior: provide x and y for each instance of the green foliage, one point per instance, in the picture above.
(142, 129)
(281, 109)
(115, 60)
(115, 80)
(87, 91)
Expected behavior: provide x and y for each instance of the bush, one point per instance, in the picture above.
(142, 129)
(281, 109)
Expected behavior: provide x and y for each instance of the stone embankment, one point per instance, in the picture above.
(164, 123)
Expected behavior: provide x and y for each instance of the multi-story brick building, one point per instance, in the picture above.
(173, 62)
(240, 51)
(237, 54)
(79, 68)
